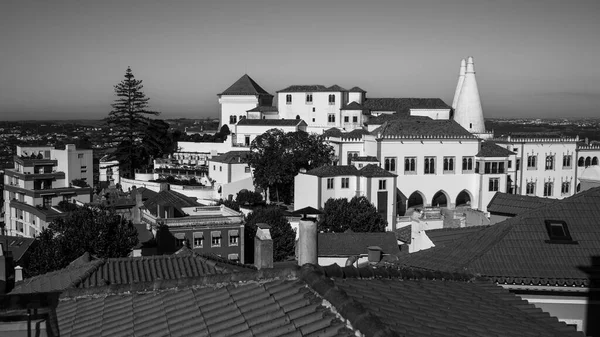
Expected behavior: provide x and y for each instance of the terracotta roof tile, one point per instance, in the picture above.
(491, 149)
(422, 127)
(245, 86)
(232, 157)
(515, 204)
(169, 198)
(349, 244)
(354, 134)
(333, 171)
(373, 170)
(270, 122)
(356, 89)
(352, 106)
(518, 250)
(404, 104)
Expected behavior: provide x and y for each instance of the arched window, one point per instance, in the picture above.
(580, 162)
(595, 161)
(588, 161)
(389, 164)
(550, 162)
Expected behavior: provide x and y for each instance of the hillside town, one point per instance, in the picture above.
(315, 210)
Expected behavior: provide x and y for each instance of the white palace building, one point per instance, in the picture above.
(429, 154)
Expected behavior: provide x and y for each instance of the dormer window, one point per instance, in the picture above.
(558, 232)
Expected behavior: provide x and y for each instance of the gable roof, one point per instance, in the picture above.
(304, 88)
(333, 171)
(307, 301)
(422, 127)
(356, 89)
(373, 170)
(518, 250)
(231, 157)
(271, 122)
(171, 199)
(404, 104)
(515, 204)
(491, 149)
(245, 86)
(351, 243)
(263, 108)
(353, 106)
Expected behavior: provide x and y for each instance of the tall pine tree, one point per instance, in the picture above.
(130, 121)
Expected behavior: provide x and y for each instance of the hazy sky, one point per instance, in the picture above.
(60, 59)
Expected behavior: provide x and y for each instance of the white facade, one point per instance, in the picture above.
(245, 133)
(315, 108)
(109, 170)
(233, 108)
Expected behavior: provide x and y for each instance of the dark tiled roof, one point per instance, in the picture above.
(222, 305)
(245, 86)
(333, 171)
(232, 157)
(305, 88)
(515, 204)
(16, 245)
(353, 106)
(169, 198)
(413, 304)
(270, 122)
(354, 134)
(379, 120)
(373, 170)
(403, 104)
(356, 89)
(336, 87)
(146, 193)
(404, 234)
(443, 236)
(422, 127)
(365, 158)
(350, 244)
(491, 149)
(517, 250)
(263, 108)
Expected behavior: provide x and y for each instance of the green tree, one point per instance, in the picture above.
(98, 231)
(251, 198)
(130, 122)
(358, 215)
(277, 157)
(281, 232)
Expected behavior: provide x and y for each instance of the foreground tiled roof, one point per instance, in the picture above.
(491, 149)
(404, 234)
(146, 193)
(245, 86)
(515, 204)
(519, 250)
(443, 236)
(350, 244)
(310, 301)
(86, 273)
(403, 104)
(270, 122)
(232, 157)
(422, 127)
(17, 245)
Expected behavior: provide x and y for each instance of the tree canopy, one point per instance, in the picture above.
(99, 231)
(132, 126)
(358, 215)
(281, 232)
(277, 157)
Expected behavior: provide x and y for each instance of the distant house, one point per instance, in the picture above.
(177, 221)
(231, 172)
(354, 248)
(544, 255)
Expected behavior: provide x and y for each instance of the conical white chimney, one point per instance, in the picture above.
(461, 79)
(468, 112)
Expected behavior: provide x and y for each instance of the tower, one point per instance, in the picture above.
(461, 79)
(243, 95)
(468, 112)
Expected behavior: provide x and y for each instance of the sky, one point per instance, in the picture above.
(60, 59)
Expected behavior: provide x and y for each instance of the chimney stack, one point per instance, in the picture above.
(307, 242)
(461, 79)
(137, 216)
(18, 274)
(374, 254)
(469, 113)
(263, 247)
(164, 187)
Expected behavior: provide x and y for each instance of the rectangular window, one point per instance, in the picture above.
(80, 155)
(247, 140)
(234, 237)
(329, 183)
(565, 187)
(345, 182)
(215, 239)
(550, 162)
(247, 169)
(220, 168)
(389, 164)
(198, 239)
(467, 164)
(233, 257)
(548, 186)
(179, 240)
(429, 165)
(567, 159)
(47, 201)
(309, 98)
(232, 119)
(530, 188)
(331, 99)
(487, 168)
(382, 184)
(346, 119)
(331, 118)
(214, 167)
(354, 119)
(532, 162)
(448, 165)
(509, 163)
(288, 99)
(493, 185)
(410, 165)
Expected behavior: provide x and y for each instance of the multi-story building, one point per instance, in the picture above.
(41, 178)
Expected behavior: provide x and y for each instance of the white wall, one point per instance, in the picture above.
(234, 105)
(320, 104)
(306, 191)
